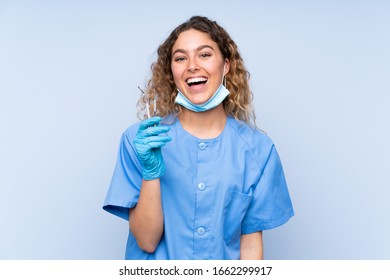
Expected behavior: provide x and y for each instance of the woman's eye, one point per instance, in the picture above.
(205, 55)
(179, 58)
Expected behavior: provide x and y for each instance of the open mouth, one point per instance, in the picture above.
(196, 81)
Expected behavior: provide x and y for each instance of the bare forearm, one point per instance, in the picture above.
(146, 219)
(251, 246)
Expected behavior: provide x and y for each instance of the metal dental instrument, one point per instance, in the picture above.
(154, 107)
(148, 109)
(147, 104)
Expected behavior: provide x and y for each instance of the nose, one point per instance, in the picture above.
(193, 65)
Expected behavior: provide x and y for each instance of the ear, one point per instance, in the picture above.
(227, 66)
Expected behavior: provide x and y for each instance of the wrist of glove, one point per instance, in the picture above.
(148, 143)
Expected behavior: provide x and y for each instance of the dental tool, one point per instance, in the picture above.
(147, 104)
(154, 107)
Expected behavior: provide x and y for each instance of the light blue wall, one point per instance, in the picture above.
(69, 72)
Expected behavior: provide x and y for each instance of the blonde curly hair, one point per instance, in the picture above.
(162, 87)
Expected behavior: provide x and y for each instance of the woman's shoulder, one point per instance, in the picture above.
(132, 129)
(250, 134)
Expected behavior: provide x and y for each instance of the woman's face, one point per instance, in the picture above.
(197, 65)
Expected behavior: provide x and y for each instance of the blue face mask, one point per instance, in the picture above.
(214, 101)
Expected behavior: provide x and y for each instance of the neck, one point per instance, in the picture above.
(204, 125)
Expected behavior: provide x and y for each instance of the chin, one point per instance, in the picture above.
(199, 99)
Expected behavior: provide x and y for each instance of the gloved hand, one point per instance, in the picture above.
(148, 145)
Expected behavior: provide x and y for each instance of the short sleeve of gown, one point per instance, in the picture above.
(123, 192)
(271, 205)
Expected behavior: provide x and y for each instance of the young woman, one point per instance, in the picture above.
(198, 181)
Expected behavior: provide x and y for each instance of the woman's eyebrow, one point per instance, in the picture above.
(203, 47)
(179, 51)
(197, 49)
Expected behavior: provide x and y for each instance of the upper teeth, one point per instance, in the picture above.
(196, 80)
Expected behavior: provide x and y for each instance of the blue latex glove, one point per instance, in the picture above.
(148, 145)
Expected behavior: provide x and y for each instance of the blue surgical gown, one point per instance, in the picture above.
(213, 191)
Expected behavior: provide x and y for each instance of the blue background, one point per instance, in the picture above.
(69, 72)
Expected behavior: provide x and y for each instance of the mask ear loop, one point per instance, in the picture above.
(224, 76)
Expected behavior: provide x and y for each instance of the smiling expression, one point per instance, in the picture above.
(197, 65)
